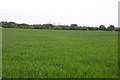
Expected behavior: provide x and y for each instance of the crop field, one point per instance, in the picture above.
(33, 53)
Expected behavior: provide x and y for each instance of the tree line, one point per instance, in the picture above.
(57, 27)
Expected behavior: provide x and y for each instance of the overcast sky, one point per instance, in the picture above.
(81, 12)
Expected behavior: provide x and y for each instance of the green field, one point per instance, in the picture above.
(0, 53)
(30, 53)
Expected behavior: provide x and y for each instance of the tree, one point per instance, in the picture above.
(102, 27)
(8, 24)
(47, 26)
(117, 29)
(74, 25)
(111, 28)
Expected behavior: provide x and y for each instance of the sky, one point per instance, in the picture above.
(61, 12)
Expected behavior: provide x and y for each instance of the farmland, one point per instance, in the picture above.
(32, 53)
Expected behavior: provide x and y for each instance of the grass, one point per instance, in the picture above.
(0, 53)
(29, 53)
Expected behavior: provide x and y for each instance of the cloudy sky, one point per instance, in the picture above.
(81, 12)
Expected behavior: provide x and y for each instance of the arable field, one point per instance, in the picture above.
(30, 53)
